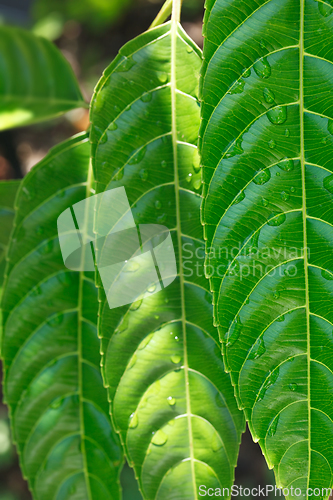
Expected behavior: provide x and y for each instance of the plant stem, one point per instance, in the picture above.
(176, 9)
(163, 14)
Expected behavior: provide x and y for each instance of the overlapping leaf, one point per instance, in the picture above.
(53, 386)
(8, 191)
(36, 81)
(171, 401)
(267, 150)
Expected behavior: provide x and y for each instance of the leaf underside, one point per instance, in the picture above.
(267, 147)
(36, 81)
(53, 386)
(171, 401)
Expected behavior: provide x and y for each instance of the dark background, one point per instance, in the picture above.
(89, 33)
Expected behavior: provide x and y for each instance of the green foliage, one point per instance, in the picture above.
(266, 145)
(171, 401)
(8, 190)
(53, 386)
(37, 82)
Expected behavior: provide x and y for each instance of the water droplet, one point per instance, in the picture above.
(151, 288)
(144, 174)
(328, 183)
(273, 426)
(262, 68)
(132, 362)
(56, 403)
(177, 339)
(133, 420)
(131, 266)
(196, 161)
(237, 88)
(264, 202)
(145, 341)
(236, 149)
(258, 350)
(158, 204)
(276, 295)
(285, 196)
(247, 73)
(219, 400)
(233, 334)
(118, 174)
(160, 438)
(189, 49)
(47, 248)
(171, 401)
(271, 144)
(327, 275)
(292, 189)
(287, 132)
(216, 442)
(239, 198)
(147, 97)
(276, 220)
(269, 96)
(324, 9)
(162, 77)
(138, 156)
(163, 163)
(55, 320)
(175, 358)
(277, 115)
(125, 65)
(189, 177)
(286, 165)
(162, 218)
(156, 315)
(324, 140)
(197, 184)
(262, 177)
(136, 305)
(113, 126)
(280, 319)
(123, 324)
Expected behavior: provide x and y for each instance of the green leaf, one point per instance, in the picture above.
(53, 386)
(266, 149)
(171, 401)
(36, 81)
(8, 190)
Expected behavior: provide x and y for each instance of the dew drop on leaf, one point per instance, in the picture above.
(327, 275)
(151, 288)
(276, 295)
(280, 319)
(136, 305)
(216, 442)
(189, 177)
(285, 196)
(328, 183)
(144, 174)
(158, 204)
(292, 189)
(277, 115)
(271, 144)
(269, 96)
(247, 73)
(131, 267)
(237, 88)
(264, 202)
(113, 126)
(233, 334)
(258, 350)
(276, 220)
(287, 132)
(293, 386)
(160, 438)
(133, 421)
(138, 156)
(189, 49)
(132, 362)
(196, 161)
(175, 358)
(147, 97)
(239, 198)
(197, 184)
(262, 177)
(145, 341)
(273, 426)
(171, 401)
(162, 77)
(262, 68)
(125, 65)
(286, 165)
(123, 325)
(163, 163)
(162, 218)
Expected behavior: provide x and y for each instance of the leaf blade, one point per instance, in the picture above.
(149, 346)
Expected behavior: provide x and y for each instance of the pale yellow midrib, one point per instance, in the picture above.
(79, 342)
(174, 35)
(304, 212)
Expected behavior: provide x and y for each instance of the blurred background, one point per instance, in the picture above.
(89, 33)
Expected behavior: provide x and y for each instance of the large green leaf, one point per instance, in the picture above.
(8, 190)
(171, 401)
(53, 386)
(36, 81)
(267, 150)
